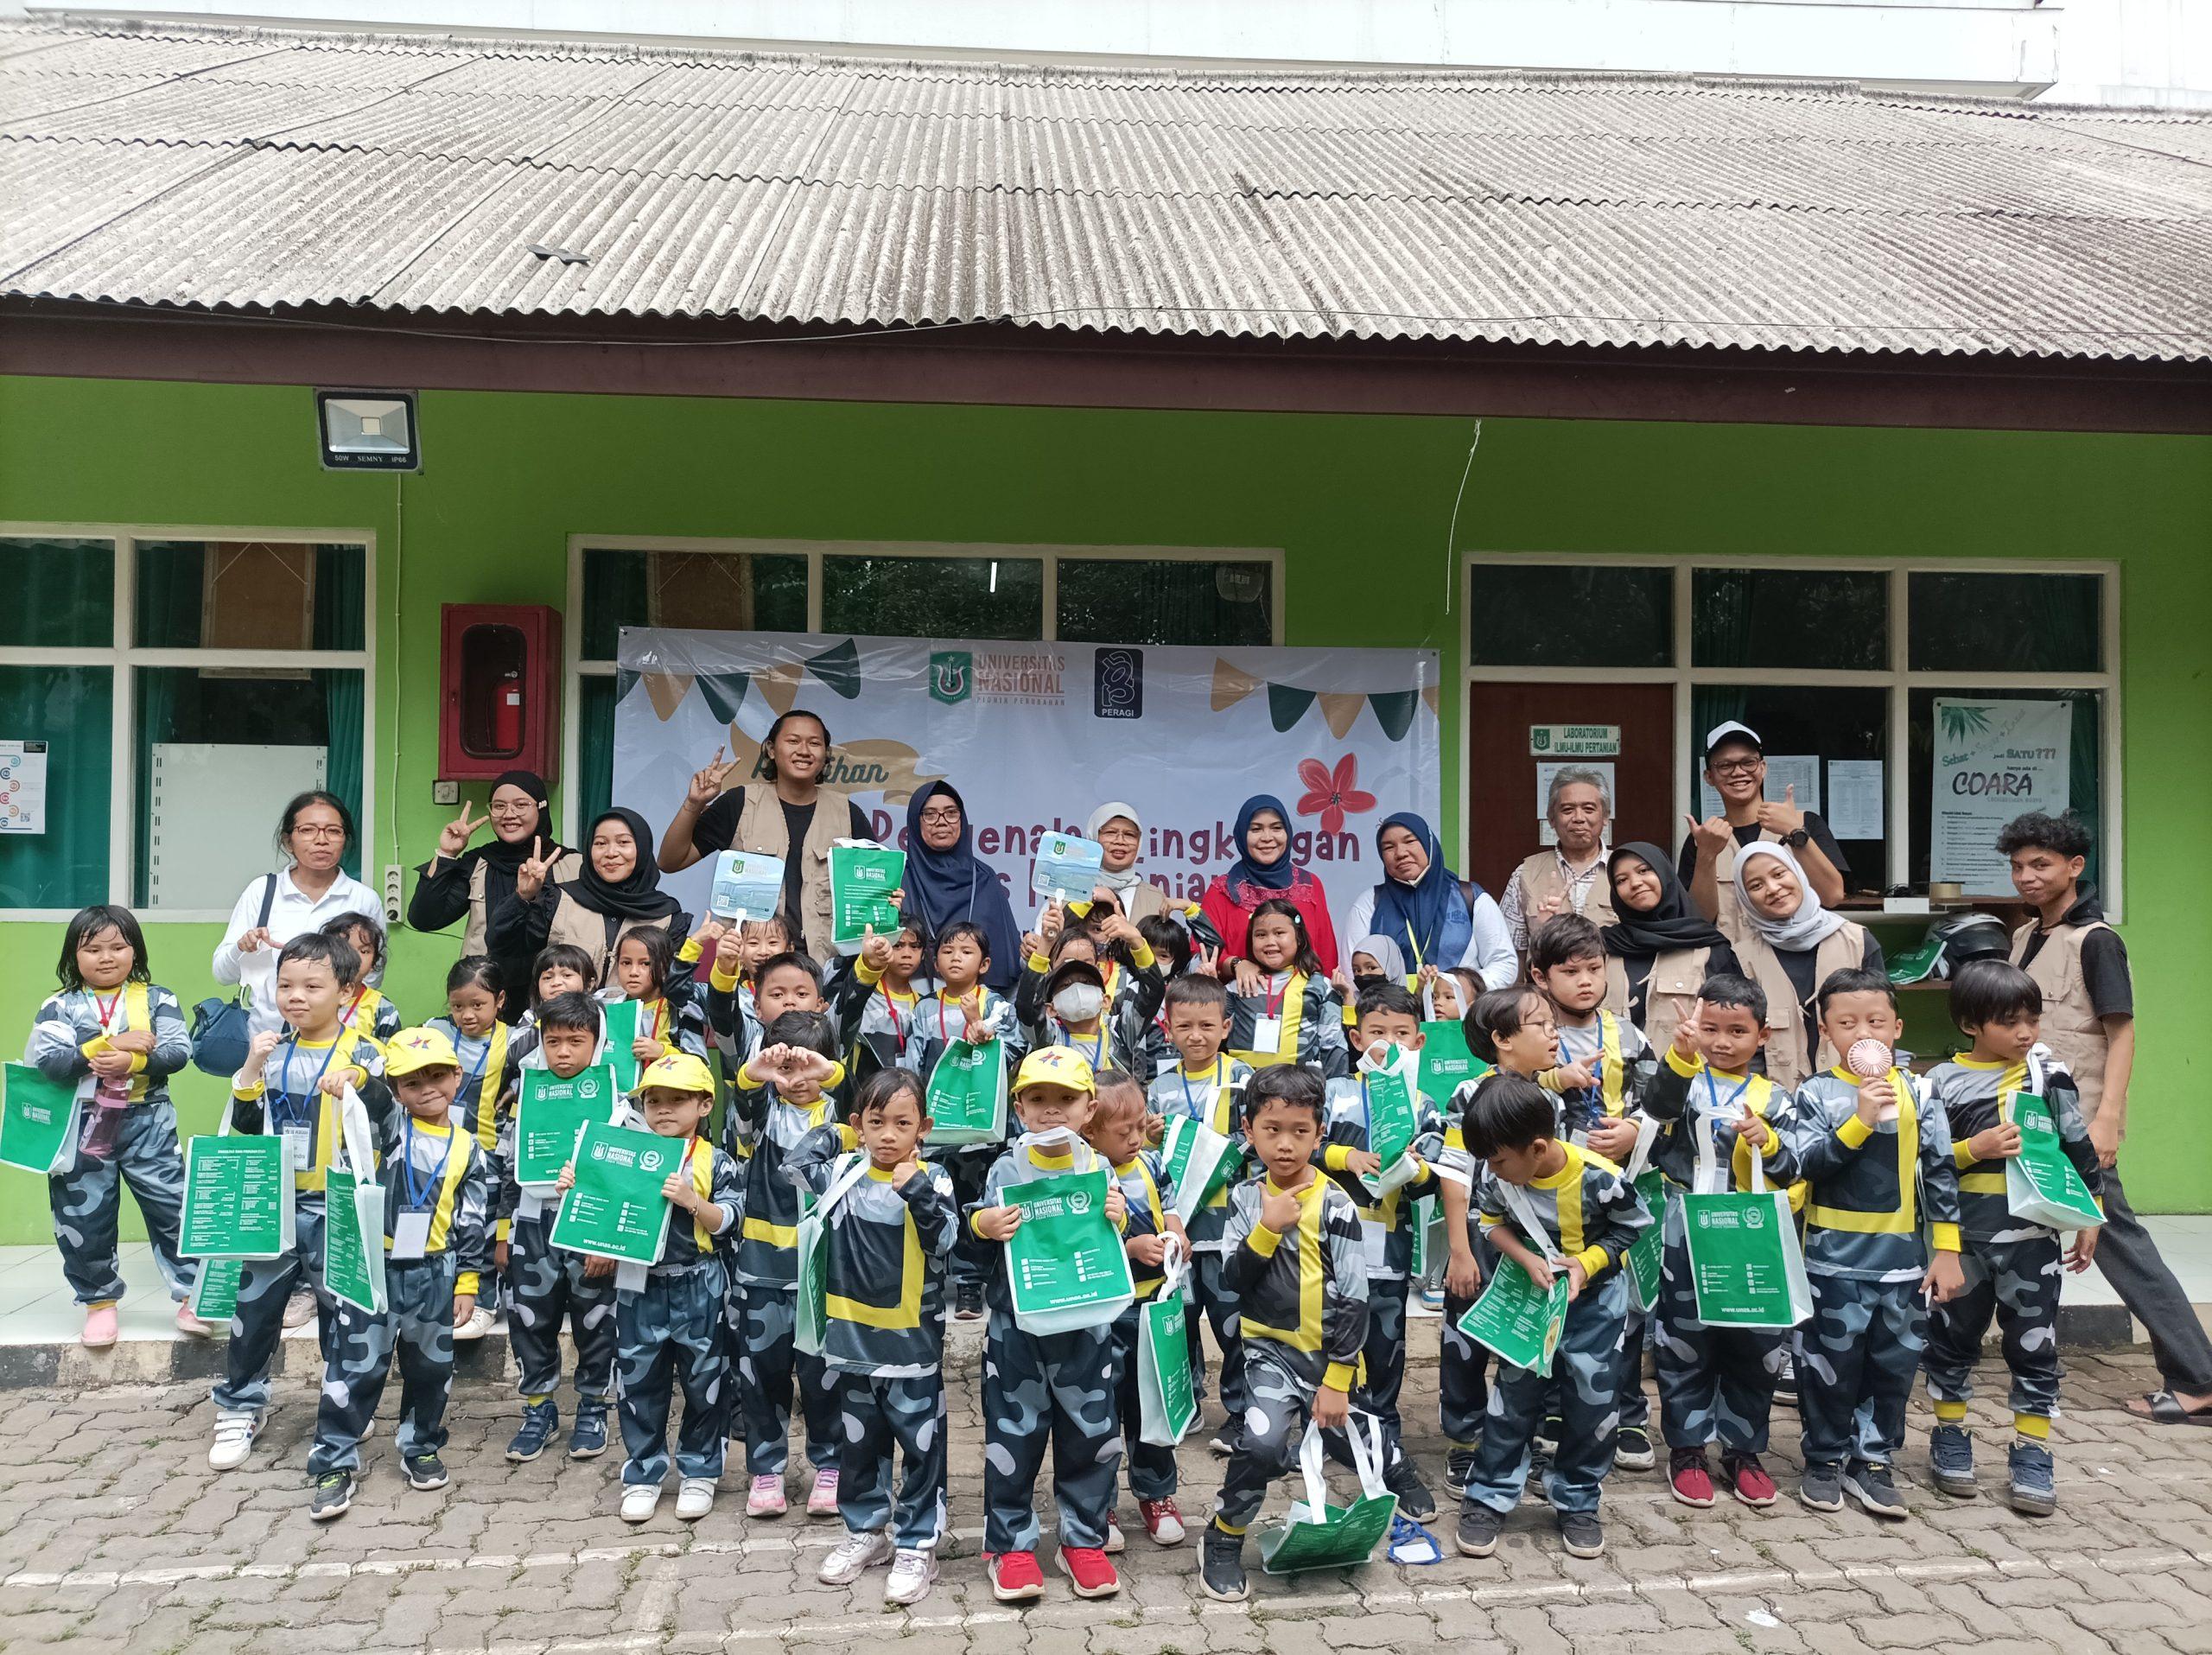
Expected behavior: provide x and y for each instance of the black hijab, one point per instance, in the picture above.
(508, 857)
(638, 897)
(1672, 923)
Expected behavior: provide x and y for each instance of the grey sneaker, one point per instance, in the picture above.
(1950, 1460)
(539, 1421)
(1582, 1534)
(2034, 1488)
(853, 1557)
(1871, 1486)
(333, 1496)
(1221, 1566)
(1821, 1488)
(1632, 1449)
(912, 1573)
(425, 1471)
(1478, 1532)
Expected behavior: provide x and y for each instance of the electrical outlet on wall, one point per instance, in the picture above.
(392, 888)
(445, 793)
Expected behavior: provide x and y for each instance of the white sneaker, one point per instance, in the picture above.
(912, 1573)
(479, 1324)
(695, 1497)
(233, 1441)
(299, 1310)
(821, 1498)
(639, 1500)
(1115, 1542)
(853, 1557)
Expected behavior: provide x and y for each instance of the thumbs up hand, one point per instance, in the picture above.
(1784, 818)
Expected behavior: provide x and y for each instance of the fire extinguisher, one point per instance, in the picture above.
(507, 714)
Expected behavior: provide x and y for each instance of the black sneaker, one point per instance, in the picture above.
(1582, 1534)
(1632, 1448)
(539, 1421)
(1458, 1466)
(1870, 1485)
(1414, 1498)
(1786, 1383)
(333, 1496)
(1547, 1436)
(968, 1301)
(588, 1440)
(1479, 1530)
(1821, 1488)
(1221, 1566)
(425, 1471)
(1540, 1466)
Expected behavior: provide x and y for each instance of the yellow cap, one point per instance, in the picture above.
(418, 1048)
(678, 1072)
(1056, 1065)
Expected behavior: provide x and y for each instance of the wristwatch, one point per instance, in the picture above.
(1796, 838)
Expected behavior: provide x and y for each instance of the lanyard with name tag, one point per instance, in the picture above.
(410, 1225)
(299, 1135)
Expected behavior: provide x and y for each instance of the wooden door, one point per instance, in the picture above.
(1504, 813)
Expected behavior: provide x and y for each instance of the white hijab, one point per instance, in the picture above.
(1803, 931)
(1099, 817)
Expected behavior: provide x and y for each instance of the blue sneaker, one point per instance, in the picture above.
(2034, 1479)
(588, 1440)
(1950, 1458)
(539, 1421)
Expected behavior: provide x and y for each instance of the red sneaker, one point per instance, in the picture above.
(1747, 1478)
(1015, 1577)
(1087, 1568)
(1163, 1521)
(1688, 1476)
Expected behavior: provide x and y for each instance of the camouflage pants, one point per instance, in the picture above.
(1267, 1437)
(670, 1335)
(1053, 1391)
(1152, 1466)
(418, 1323)
(970, 1165)
(547, 1286)
(1383, 1372)
(1856, 1360)
(768, 1363)
(2016, 1281)
(1714, 1382)
(264, 1286)
(877, 1415)
(1636, 1334)
(1462, 1389)
(1586, 1371)
(1216, 1306)
(87, 1203)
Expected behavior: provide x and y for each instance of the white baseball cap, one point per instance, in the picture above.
(1731, 727)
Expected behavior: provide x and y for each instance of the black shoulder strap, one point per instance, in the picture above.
(268, 899)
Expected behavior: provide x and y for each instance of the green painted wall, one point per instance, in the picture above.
(1360, 504)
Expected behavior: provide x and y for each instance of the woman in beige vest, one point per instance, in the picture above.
(616, 891)
(1661, 950)
(460, 884)
(1789, 946)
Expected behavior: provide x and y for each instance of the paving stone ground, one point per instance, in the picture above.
(114, 1535)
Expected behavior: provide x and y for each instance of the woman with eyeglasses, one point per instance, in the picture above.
(1120, 836)
(947, 882)
(311, 890)
(460, 883)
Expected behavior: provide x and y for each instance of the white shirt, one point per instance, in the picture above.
(293, 913)
(1490, 951)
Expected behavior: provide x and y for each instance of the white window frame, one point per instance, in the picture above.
(576, 667)
(123, 658)
(1897, 677)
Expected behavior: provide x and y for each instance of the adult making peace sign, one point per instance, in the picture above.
(615, 891)
(461, 883)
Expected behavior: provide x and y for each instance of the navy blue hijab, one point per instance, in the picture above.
(946, 887)
(1430, 918)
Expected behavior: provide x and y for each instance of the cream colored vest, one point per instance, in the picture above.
(1540, 880)
(1731, 917)
(1668, 993)
(760, 828)
(2070, 1025)
(574, 923)
(474, 932)
(1791, 1027)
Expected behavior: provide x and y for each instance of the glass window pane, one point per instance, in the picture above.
(934, 597)
(708, 591)
(1572, 614)
(72, 710)
(61, 593)
(595, 743)
(1832, 619)
(2083, 775)
(219, 752)
(1131, 600)
(1968, 622)
(250, 594)
(1806, 731)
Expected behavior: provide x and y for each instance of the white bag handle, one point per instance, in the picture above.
(845, 1179)
(1538, 1237)
(1174, 1262)
(1647, 1134)
(1309, 1467)
(1367, 1453)
(359, 1140)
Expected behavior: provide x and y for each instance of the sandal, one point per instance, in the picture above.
(2164, 1408)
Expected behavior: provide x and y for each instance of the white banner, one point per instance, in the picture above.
(1994, 761)
(1035, 735)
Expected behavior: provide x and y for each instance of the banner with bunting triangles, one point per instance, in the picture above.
(1289, 703)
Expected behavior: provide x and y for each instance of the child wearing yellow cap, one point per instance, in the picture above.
(437, 1239)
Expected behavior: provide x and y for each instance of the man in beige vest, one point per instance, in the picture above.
(1570, 876)
(2089, 1021)
(1735, 768)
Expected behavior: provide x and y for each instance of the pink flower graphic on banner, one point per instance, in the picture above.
(1332, 794)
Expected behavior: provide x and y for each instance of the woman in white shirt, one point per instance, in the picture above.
(312, 889)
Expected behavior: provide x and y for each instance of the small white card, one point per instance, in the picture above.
(411, 1235)
(1266, 1034)
(299, 1146)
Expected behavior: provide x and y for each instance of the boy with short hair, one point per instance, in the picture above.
(1552, 1206)
(1877, 1157)
(1044, 1390)
(1298, 1265)
(2011, 1267)
(437, 1194)
(1207, 1085)
(875, 1000)
(1714, 1382)
(964, 1008)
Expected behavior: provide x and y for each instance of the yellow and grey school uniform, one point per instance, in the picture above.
(370, 1010)
(1133, 996)
(488, 1064)
(1214, 1096)
(1608, 1044)
(1151, 1197)
(1310, 1019)
(875, 1022)
(1462, 1389)
(940, 1022)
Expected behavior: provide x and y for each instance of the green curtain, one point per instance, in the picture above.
(72, 709)
(341, 714)
(595, 746)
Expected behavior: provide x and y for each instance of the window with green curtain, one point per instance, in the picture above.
(710, 591)
(72, 710)
(1164, 601)
(1571, 614)
(2084, 768)
(1832, 619)
(1966, 622)
(1795, 723)
(934, 597)
(60, 592)
(595, 743)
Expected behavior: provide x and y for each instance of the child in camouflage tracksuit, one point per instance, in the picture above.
(1301, 1347)
(366, 1007)
(1877, 1154)
(668, 1331)
(1109, 1011)
(116, 1037)
(964, 1008)
(1553, 1207)
(1045, 1391)
(2011, 1267)
(890, 1229)
(1295, 1011)
(874, 996)
(437, 1186)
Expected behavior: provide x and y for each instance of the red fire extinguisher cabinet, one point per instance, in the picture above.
(499, 685)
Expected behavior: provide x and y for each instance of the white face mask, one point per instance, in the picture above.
(1078, 1002)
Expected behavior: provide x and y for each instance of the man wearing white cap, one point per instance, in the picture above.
(1735, 768)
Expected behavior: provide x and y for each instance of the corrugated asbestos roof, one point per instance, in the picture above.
(253, 169)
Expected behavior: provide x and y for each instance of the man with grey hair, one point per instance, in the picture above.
(1570, 876)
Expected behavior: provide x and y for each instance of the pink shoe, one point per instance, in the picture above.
(766, 1498)
(191, 1326)
(821, 1498)
(102, 1327)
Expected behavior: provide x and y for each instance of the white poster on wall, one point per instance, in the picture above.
(1784, 772)
(1034, 735)
(1994, 761)
(22, 786)
(1855, 799)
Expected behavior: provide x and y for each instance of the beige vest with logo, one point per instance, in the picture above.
(1539, 880)
(1668, 992)
(472, 934)
(760, 828)
(574, 923)
(1789, 1024)
(2070, 1025)
(1731, 917)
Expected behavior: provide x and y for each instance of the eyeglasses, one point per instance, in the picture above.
(940, 818)
(319, 835)
(1735, 767)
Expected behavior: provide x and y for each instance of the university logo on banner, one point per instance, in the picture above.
(952, 675)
